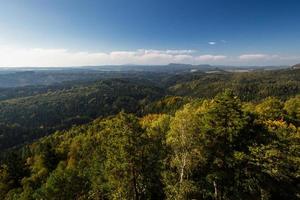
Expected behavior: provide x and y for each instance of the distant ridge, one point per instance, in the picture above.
(172, 67)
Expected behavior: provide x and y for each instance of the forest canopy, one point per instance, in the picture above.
(233, 138)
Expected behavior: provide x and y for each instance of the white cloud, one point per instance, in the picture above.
(212, 43)
(33, 57)
(18, 57)
(169, 51)
(207, 58)
(290, 58)
(39, 57)
(267, 59)
(253, 56)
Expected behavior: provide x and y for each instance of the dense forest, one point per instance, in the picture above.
(217, 135)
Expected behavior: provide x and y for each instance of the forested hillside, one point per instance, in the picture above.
(248, 86)
(220, 135)
(28, 113)
(26, 118)
(210, 149)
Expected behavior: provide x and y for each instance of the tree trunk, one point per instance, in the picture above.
(182, 169)
(216, 191)
(136, 194)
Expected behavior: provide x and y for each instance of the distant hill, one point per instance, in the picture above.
(19, 77)
(170, 68)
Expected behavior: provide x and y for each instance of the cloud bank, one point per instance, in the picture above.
(39, 57)
(257, 56)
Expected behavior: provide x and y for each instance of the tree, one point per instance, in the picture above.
(222, 130)
(156, 127)
(125, 157)
(292, 107)
(270, 108)
(5, 181)
(183, 141)
(63, 184)
(275, 164)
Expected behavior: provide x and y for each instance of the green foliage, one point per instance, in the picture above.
(63, 183)
(219, 151)
(28, 118)
(169, 104)
(31, 112)
(217, 148)
(5, 181)
(182, 140)
(271, 108)
(292, 107)
(248, 86)
(125, 146)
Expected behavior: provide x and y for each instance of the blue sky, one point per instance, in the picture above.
(90, 32)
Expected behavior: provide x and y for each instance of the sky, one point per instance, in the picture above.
(55, 33)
